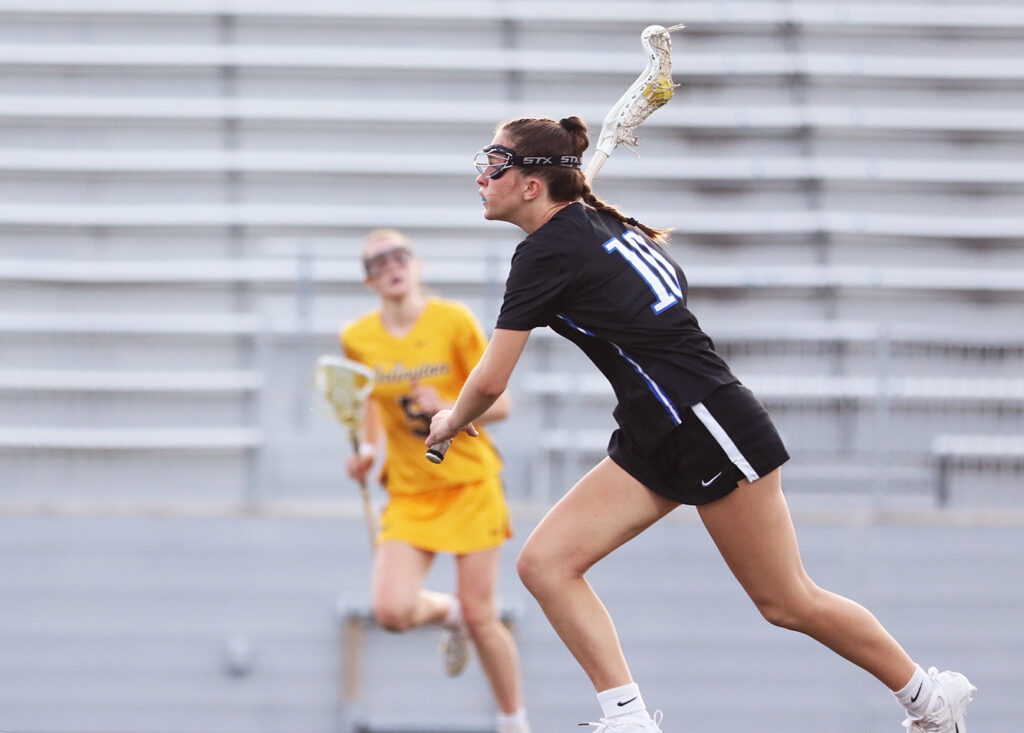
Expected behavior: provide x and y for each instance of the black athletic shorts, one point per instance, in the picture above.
(726, 437)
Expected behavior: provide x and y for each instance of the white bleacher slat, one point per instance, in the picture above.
(842, 331)
(290, 270)
(214, 325)
(483, 111)
(68, 380)
(795, 387)
(201, 438)
(218, 215)
(145, 324)
(382, 163)
(853, 276)
(979, 446)
(854, 14)
(254, 271)
(490, 60)
(448, 218)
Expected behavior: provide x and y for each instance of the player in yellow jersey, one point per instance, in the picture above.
(421, 350)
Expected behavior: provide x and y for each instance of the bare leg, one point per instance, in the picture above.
(400, 602)
(477, 584)
(607, 508)
(754, 532)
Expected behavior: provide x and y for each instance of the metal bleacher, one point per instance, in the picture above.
(184, 188)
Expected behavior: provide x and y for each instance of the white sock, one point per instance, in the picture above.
(916, 694)
(623, 701)
(454, 614)
(513, 721)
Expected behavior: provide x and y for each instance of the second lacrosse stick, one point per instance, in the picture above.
(346, 385)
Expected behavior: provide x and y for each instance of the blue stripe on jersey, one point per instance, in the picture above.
(651, 384)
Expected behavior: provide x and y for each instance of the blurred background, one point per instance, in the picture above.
(184, 189)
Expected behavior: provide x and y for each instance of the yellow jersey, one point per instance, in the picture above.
(439, 351)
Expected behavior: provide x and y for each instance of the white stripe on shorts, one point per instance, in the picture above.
(723, 439)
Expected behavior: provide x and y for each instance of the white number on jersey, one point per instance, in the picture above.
(652, 266)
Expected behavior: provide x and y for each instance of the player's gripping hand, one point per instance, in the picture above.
(358, 465)
(441, 434)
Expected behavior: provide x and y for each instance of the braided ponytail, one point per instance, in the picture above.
(658, 235)
(541, 136)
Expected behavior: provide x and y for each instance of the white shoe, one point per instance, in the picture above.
(948, 706)
(455, 648)
(628, 724)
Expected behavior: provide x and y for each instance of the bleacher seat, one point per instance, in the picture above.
(184, 188)
(1000, 450)
(245, 131)
(129, 439)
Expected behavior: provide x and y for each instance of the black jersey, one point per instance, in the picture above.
(622, 299)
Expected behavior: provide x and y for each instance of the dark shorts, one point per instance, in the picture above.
(726, 437)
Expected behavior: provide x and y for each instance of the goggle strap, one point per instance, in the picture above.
(561, 161)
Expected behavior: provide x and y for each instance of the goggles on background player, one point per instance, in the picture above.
(375, 265)
(494, 160)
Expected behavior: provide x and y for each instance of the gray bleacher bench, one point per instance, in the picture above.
(425, 112)
(807, 13)
(226, 381)
(488, 60)
(692, 168)
(949, 449)
(794, 388)
(204, 438)
(803, 331)
(356, 617)
(572, 444)
(465, 218)
(198, 438)
(213, 325)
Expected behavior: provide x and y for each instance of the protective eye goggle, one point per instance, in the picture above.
(494, 160)
(375, 265)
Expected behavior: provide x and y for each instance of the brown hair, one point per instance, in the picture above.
(568, 136)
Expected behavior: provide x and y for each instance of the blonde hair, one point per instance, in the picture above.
(378, 235)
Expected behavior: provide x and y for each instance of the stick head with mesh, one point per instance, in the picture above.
(345, 384)
(651, 90)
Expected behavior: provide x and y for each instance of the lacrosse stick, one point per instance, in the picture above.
(346, 384)
(652, 89)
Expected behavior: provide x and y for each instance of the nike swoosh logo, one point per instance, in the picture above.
(620, 704)
(914, 698)
(711, 481)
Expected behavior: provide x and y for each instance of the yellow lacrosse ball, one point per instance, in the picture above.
(660, 90)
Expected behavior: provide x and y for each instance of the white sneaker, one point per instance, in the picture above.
(455, 648)
(948, 706)
(628, 724)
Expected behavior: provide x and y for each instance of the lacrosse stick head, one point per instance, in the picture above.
(651, 90)
(345, 385)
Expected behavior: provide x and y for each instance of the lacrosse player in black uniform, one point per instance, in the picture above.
(689, 432)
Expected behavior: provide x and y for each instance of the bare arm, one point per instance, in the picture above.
(430, 402)
(484, 388)
(496, 412)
